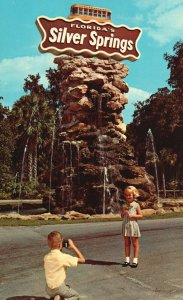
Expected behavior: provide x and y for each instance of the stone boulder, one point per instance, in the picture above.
(160, 211)
(148, 212)
(74, 215)
(45, 216)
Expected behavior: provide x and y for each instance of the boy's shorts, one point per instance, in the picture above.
(64, 290)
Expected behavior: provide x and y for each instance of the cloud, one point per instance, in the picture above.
(14, 71)
(133, 96)
(157, 5)
(164, 19)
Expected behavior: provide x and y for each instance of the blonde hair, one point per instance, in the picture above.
(132, 189)
(54, 239)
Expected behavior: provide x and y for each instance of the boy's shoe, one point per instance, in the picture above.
(125, 264)
(57, 297)
(134, 265)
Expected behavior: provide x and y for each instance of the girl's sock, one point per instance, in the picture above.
(127, 259)
(135, 260)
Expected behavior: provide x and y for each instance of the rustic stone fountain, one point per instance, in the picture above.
(95, 159)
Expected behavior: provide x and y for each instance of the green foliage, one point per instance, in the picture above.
(5, 195)
(29, 190)
(175, 64)
(33, 117)
(163, 114)
(6, 151)
(27, 132)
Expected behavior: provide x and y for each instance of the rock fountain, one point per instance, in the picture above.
(95, 159)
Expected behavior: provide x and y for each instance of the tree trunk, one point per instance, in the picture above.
(29, 165)
(175, 184)
(34, 168)
(163, 182)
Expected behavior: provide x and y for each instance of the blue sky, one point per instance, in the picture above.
(161, 22)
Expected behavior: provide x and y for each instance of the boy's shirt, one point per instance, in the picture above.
(55, 265)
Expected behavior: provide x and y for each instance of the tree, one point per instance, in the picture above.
(175, 64)
(33, 118)
(163, 114)
(6, 150)
(53, 91)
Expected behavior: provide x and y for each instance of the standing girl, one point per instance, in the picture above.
(130, 213)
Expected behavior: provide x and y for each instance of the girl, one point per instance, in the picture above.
(130, 229)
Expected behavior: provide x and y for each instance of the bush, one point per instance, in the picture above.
(5, 196)
(29, 190)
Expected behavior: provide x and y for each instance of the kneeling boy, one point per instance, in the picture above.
(55, 265)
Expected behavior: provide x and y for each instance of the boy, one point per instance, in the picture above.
(55, 265)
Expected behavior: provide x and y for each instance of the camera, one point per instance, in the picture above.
(65, 243)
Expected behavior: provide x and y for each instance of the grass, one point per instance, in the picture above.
(14, 222)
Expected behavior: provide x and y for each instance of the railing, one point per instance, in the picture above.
(95, 12)
(177, 193)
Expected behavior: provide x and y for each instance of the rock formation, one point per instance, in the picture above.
(96, 162)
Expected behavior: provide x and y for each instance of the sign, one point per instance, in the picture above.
(88, 38)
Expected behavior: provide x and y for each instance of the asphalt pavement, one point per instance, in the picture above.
(159, 275)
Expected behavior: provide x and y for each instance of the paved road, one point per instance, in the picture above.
(159, 275)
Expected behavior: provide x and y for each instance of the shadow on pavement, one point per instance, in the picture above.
(26, 298)
(100, 262)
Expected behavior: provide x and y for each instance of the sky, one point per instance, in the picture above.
(161, 23)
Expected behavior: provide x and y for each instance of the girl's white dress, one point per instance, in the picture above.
(130, 226)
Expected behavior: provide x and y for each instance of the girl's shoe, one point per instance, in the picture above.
(125, 264)
(134, 265)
